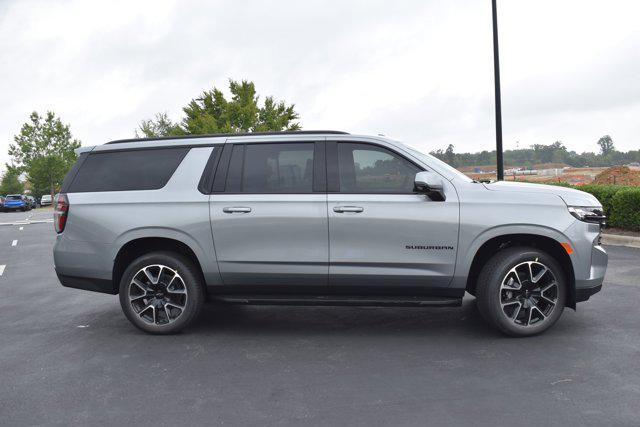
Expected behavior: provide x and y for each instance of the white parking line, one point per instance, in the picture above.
(35, 221)
(2, 267)
(14, 243)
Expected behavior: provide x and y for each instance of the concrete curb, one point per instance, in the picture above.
(620, 240)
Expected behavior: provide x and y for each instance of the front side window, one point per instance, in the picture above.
(365, 168)
(271, 168)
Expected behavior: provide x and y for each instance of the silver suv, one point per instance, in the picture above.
(317, 218)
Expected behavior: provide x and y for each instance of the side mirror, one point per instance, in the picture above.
(429, 183)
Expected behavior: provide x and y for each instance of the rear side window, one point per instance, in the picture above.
(68, 178)
(127, 170)
(271, 168)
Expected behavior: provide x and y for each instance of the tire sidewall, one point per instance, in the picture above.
(493, 281)
(192, 282)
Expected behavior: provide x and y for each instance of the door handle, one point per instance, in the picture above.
(354, 209)
(236, 209)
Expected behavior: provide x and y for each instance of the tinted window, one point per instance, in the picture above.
(206, 180)
(68, 178)
(271, 168)
(14, 197)
(127, 170)
(367, 168)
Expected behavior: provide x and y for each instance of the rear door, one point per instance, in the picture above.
(269, 215)
(382, 235)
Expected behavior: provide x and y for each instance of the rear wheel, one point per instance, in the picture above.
(161, 292)
(521, 291)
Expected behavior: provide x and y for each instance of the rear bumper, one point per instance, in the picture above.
(87, 284)
(83, 265)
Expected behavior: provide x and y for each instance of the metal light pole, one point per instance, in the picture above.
(496, 73)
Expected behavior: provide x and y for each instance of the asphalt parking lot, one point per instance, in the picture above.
(70, 357)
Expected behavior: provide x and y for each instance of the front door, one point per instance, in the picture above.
(269, 222)
(382, 235)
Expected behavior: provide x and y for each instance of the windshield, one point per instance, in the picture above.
(428, 158)
(14, 197)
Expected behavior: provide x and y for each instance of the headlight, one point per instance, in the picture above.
(588, 214)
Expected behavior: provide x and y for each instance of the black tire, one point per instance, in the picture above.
(491, 294)
(193, 287)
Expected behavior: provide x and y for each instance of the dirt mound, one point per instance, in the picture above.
(620, 175)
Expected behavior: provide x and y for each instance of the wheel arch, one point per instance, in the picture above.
(545, 243)
(136, 247)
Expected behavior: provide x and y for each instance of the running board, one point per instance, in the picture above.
(339, 300)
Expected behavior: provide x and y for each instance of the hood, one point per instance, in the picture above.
(570, 196)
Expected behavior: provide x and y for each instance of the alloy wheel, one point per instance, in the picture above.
(529, 293)
(158, 294)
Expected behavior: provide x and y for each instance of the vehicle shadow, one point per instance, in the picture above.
(306, 321)
(258, 321)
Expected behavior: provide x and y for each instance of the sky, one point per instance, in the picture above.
(417, 71)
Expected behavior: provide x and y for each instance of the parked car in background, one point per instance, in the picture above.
(46, 200)
(31, 202)
(16, 202)
(1, 202)
(322, 218)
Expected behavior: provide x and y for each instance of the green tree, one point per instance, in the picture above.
(10, 183)
(542, 153)
(211, 112)
(160, 125)
(44, 149)
(450, 156)
(606, 145)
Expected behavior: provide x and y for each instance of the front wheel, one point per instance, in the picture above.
(161, 292)
(521, 291)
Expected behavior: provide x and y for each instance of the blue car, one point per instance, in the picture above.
(15, 202)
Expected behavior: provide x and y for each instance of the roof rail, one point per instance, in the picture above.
(217, 135)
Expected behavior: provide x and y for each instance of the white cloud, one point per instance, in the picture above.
(420, 71)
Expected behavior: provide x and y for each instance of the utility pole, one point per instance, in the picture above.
(496, 73)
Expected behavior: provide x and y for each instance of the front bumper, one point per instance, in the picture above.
(593, 284)
(583, 294)
(589, 259)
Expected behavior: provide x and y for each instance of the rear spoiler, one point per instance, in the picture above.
(81, 150)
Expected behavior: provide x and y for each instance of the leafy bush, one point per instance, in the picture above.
(621, 203)
(625, 210)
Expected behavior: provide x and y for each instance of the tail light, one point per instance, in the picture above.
(60, 212)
